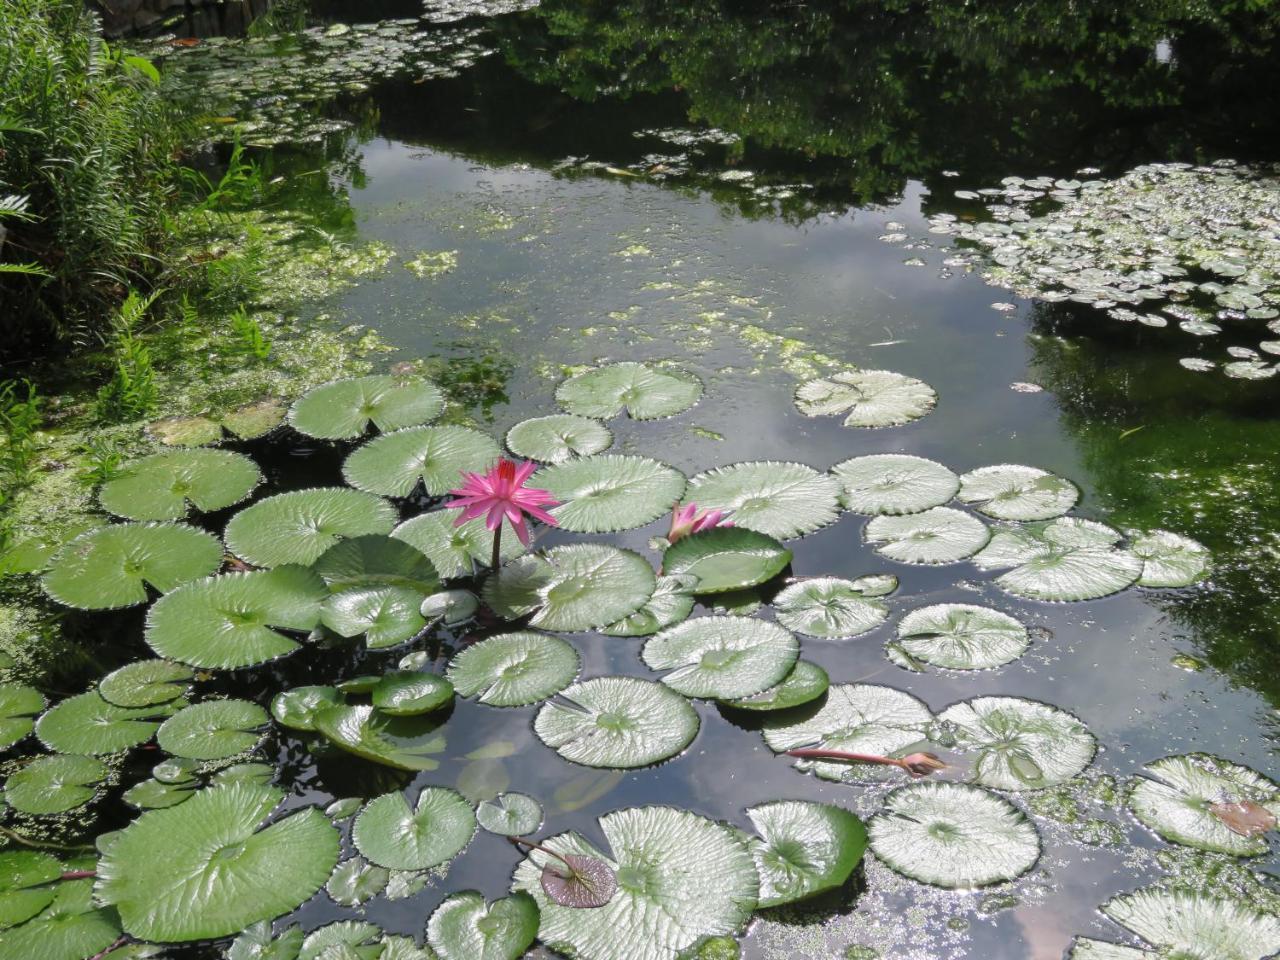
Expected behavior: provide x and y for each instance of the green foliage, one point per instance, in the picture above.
(131, 393)
(19, 421)
(249, 340)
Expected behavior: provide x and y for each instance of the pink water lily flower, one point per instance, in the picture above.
(501, 493)
(686, 520)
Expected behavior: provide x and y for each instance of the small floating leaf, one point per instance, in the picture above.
(213, 730)
(672, 601)
(894, 483)
(828, 607)
(1082, 948)
(407, 743)
(804, 849)
(88, 724)
(344, 409)
(1188, 924)
(722, 657)
(355, 881)
(869, 398)
(394, 463)
(558, 438)
(960, 636)
(386, 616)
(298, 527)
(409, 693)
(455, 551)
(71, 927)
(511, 815)
(451, 606)
(254, 419)
(18, 706)
(806, 682)
(608, 493)
(165, 485)
(640, 390)
(154, 794)
(1170, 559)
(392, 834)
(54, 784)
(781, 500)
(1020, 744)
(464, 927)
(514, 669)
(726, 558)
(937, 535)
(1064, 559)
(343, 940)
(145, 682)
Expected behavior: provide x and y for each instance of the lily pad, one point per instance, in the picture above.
(781, 500)
(953, 835)
(681, 878)
(510, 815)
(54, 784)
(578, 586)
(395, 463)
(71, 927)
(722, 657)
(514, 669)
(164, 486)
(867, 398)
(1082, 948)
(407, 743)
(805, 683)
(345, 408)
(109, 567)
(386, 616)
(145, 682)
(672, 601)
(558, 438)
(894, 483)
(456, 551)
(1019, 744)
(297, 708)
(213, 730)
(19, 705)
(725, 559)
(88, 724)
(298, 527)
(640, 390)
(375, 560)
(464, 927)
(26, 884)
(1013, 492)
(219, 873)
(154, 794)
(960, 636)
(830, 608)
(1181, 923)
(1176, 795)
(804, 849)
(409, 693)
(1064, 559)
(1170, 559)
(247, 422)
(392, 834)
(235, 620)
(355, 881)
(451, 606)
(608, 493)
(343, 940)
(937, 535)
(619, 722)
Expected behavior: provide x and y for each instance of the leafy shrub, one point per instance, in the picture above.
(131, 392)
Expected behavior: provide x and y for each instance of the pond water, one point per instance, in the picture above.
(560, 218)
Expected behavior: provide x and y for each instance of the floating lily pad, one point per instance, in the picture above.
(607, 493)
(725, 559)
(1184, 924)
(26, 884)
(514, 669)
(804, 849)
(88, 724)
(54, 784)
(246, 422)
(1064, 559)
(578, 586)
(33, 554)
(297, 708)
(781, 500)
(71, 927)
(672, 601)
(1019, 744)
(722, 657)
(219, 873)
(18, 706)
(867, 398)
(154, 794)
(407, 743)
(235, 620)
(464, 927)
(298, 527)
(376, 560)
(386, 616)
(213, 730)
(960, 636)
(392, 834)
(343, 940)
(145, 682)
(409, 693)
(1176, 795)
(894, 483)
(1012, 492)
(640, 390)
(1170, 559)
(451, 606)
(856, 718)
(953, 835)
(456, 551)
(110, 567)
(510, 815)
(345, 408)
(395, 463)
(620, 722)
(937, 535)
(260, 774)
(806, 682)
(165, 486)
(558, 438)
(355, 881)
(828, 607)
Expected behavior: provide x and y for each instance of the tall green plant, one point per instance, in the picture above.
(131, 392)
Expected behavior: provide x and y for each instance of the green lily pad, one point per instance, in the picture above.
(154, 794)
(953, 835)
(144, 683)
(1082, 948)
(375, 560)
(409, 693)
(26, 884)
(464, 927)
(355, 881)
(259, 774)
(298, 527)
(607, 493)
(1019, 744)
(804, 849)
(937, 535)
(722, 657)
(672, 601)
(1170, 559)
(345, 408)
(407, 743)
(640, 390)
(395, 463)
(456, 551)
(109, 567)
(510, 815)
(578, 586)
(392, 834)
(805, 683)
(33, 554)
(558, 438)
(726, 558)
(618, 722)
(19, 705)
(1186, 924)
(213, 730)
(164, 486)
(386, 616)
(894, 483)
(681, 878)
(451, 606)
(867, 398)
(71, 927)
(960, 636)
(246, 422)
(88, 724)
(235, 620)
(297, 708)
(219, 873)
(830, 608)
(782, 500)
(514, 669)
(54, 784)
(1064, 559)
(343, 940)
(1176, 795)
(1012, 492)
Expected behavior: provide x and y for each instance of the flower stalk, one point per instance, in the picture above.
(916, 764)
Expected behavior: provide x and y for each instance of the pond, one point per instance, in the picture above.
(759, 197)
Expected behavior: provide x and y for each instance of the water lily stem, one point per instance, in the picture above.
(497, 549)
(551, 853)
(111, 949)
(42, 844)
(815, 753)
(78, 874)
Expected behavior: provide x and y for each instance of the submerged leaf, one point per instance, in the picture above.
(514, 669)
(869, 398)
(1013, 492)
(344, 409)
(894, 483)
(804, 849)
(392, 834)
(608, 493)
(937, 535)
(960, 636)
(299, 526)
(829, 607)
(394, 463)
(407, 743)
(722, 657)
(558, 438)
(164, 486)
(464, 927)
(640, 390)
(726, 558)
(781, 500)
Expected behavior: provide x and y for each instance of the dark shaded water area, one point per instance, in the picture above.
(587, 217)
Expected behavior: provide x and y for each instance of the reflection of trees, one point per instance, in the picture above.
(1204, 463)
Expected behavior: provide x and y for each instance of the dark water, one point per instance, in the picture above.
(869, 115)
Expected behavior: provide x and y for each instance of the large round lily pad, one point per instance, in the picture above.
(436, 829)
(1064, 559)
(608, 493)
(558, 438)
(722, 657)
(464, 927)
(145, 682)
(867, 398)
(894, 483)
(54, 784)
(804, 849)
(724, 559)
(514, 669)
(18, 706)
(1185, 924)
(299, 526)
(781, 500)
(1170, 559)
(395, 463)
(959, 636)
(805, 683)
(830, 608)
(937, 535)
(213, 730)
(456, 550)
(164, 486)
(88, 724)
(953, 835)
(407, 743)
(218, 872)
(642, 391)
(619, 722)
(345, 408)
(1013, 492)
